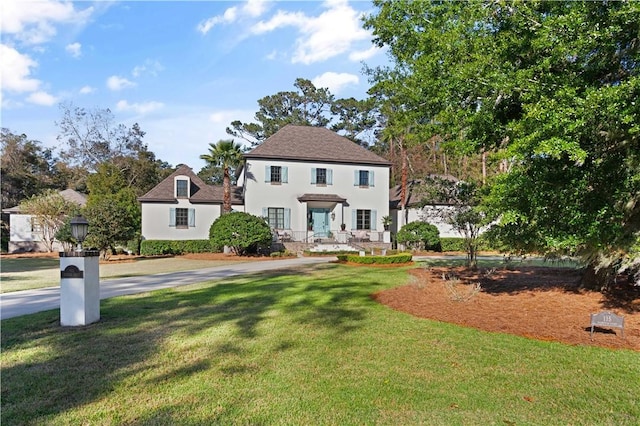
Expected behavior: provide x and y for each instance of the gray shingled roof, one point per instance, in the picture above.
(200, 191)
(68, 194)
(322, 197)
(314, 144)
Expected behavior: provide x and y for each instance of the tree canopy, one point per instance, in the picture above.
(26, 169)
(550, 89)
(307, 106)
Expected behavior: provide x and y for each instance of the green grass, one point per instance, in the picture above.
(306, 346)
(30, 273)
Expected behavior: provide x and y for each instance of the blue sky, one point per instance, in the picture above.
(182, 70)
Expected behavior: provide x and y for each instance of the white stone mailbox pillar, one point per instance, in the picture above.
(79, 287)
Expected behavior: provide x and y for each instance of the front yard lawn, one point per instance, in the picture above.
(305, 346)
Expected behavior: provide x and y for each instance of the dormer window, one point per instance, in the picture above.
(182, 188)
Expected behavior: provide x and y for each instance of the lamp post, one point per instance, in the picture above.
(79, 229)
(79, 280)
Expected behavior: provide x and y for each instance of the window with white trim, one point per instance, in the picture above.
(35, 225)
(182, 188)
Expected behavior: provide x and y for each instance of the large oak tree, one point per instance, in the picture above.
(552, 88)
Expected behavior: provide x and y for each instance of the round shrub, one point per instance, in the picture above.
(419, 235)
(243, 232)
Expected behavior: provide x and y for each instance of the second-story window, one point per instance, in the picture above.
(276, 174)
(363, 178)
(321, 176)
(182, 188)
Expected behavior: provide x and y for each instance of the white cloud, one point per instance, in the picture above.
(251, 8)
(226, 116)
(42, 98)
(15, 71)
(142, 108)
(74, 49)
(150, 67)
(331, 33)
(85, 90)
(362, 55)
(32, 22)
(254, 8)
(116, 83)
(335, 81)
(195, 127)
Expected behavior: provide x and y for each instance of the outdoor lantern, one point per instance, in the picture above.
(333, 215)
(79, 228)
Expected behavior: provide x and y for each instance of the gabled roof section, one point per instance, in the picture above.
(74, 197)
(307, 143)
(200, 191)
(68, 194)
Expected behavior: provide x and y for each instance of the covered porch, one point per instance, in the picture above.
(325, 219)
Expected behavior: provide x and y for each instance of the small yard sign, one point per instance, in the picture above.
(607, 319)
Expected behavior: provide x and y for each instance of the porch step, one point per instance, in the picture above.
(319, 248)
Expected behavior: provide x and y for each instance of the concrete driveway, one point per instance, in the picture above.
(31, 301)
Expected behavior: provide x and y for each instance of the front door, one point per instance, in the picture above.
(320, 221)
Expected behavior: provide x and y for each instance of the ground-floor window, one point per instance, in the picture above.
(363, 219)
(276, 217)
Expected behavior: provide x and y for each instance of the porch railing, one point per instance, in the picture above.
(336, 235)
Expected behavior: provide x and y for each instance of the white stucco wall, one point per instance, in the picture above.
(155, 221)
(435, 215)
(22, 238)
(20, 229)
(260, 194)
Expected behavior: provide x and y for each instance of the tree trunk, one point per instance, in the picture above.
(598, 278)
(226, 191)
(484, 167)
(403, 186)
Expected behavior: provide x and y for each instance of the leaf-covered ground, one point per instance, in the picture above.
(537, 302)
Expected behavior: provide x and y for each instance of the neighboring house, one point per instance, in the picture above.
(183, 207)
(306, 181)
(25, 233)
(417, 208)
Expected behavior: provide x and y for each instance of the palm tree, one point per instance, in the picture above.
(225, 154)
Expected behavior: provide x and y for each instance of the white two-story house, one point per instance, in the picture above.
(307, 182)
(310, 180)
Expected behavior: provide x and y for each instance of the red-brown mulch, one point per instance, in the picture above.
(535, 302)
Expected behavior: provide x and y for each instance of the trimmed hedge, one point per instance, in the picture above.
(159, 247)
(457, 244)
(376, 260)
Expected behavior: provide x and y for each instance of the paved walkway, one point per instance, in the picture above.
(26, 302)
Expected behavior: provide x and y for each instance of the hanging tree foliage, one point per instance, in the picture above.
(552, 88)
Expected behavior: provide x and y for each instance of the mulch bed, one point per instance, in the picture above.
(535, 302)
